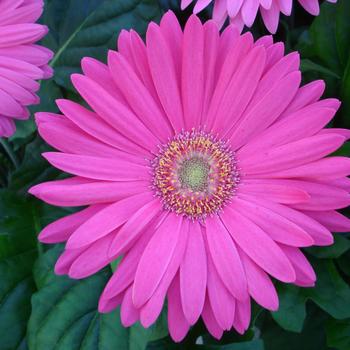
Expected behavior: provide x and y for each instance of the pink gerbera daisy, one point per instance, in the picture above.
(243, 12)
(202, 163)
(21, 60)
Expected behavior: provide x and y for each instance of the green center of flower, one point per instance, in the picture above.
(194, 174)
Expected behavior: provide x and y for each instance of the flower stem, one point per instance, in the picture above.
(11, 154)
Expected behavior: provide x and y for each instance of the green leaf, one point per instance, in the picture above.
(292, 312)
(327, 45)
(33, 169)
(312, 337)
(168, 344)
(49, 92)
(338, 334)
(256, 344)
(21, 218)
(307, 65)
(340, 246)
(345, 89)
(323, 37)
(331, 293)
(342, 29)
(17, 255)
(91, 28)
(64, 314)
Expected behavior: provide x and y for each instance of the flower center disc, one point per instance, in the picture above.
(195, 174)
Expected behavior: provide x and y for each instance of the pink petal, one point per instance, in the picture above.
(211, 43)
(266, 111)
(151, 310)
(319, 233)
(274, 192)
(242, 86)
(306, 95)
(155, 259)
(258, 245)
(137, 95)
(61, 229)
(210, 322)
(134, 226)
(276, 226)
(292, 154)
(128, 313)
(94, 125)
(271, 17)
(178, 326)
(193, 275)
(108, 169)
(78, 191)
(221, 301)
(324, 169)
(92, 259)
(259, 284)
(192, 78)
(225, 258)
(107, 220)
(239, 49)
(311, 6)
(332, 220)
(242, 316)
(304, 271)
(125, 272)
(164, 76)
(113, 112)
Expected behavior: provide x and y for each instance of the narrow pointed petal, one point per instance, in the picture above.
(107, 220)
(259, 284)
(152, 309)
(128, 313)
(332, 220)
(98, 168)
(276, 226)
(155, 259)
(178, 325)
(225, 257)
(61, 229)
(193, 275)
(303, 269)
(258, 246)
(210, 322)
(221, 300)
(319, 233)
(134, 226)
(293, 154)
(192, 78)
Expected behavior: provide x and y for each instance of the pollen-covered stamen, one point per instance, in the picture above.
(195, 174)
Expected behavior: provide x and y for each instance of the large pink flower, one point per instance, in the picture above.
(202, 163)
(21, 60)
(243, 12)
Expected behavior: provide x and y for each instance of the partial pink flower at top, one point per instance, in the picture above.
(22, 62)
(243, 12)
(203, 164)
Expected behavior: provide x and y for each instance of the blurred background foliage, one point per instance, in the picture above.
(41, 311)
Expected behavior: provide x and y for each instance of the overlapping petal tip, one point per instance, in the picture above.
(22, 62)
(244, 12)
(165, 114)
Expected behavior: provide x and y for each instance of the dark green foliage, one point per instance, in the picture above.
(42, 311)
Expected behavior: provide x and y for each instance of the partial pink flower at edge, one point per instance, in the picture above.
(203, 164)
(22, 62)
(244, 12)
